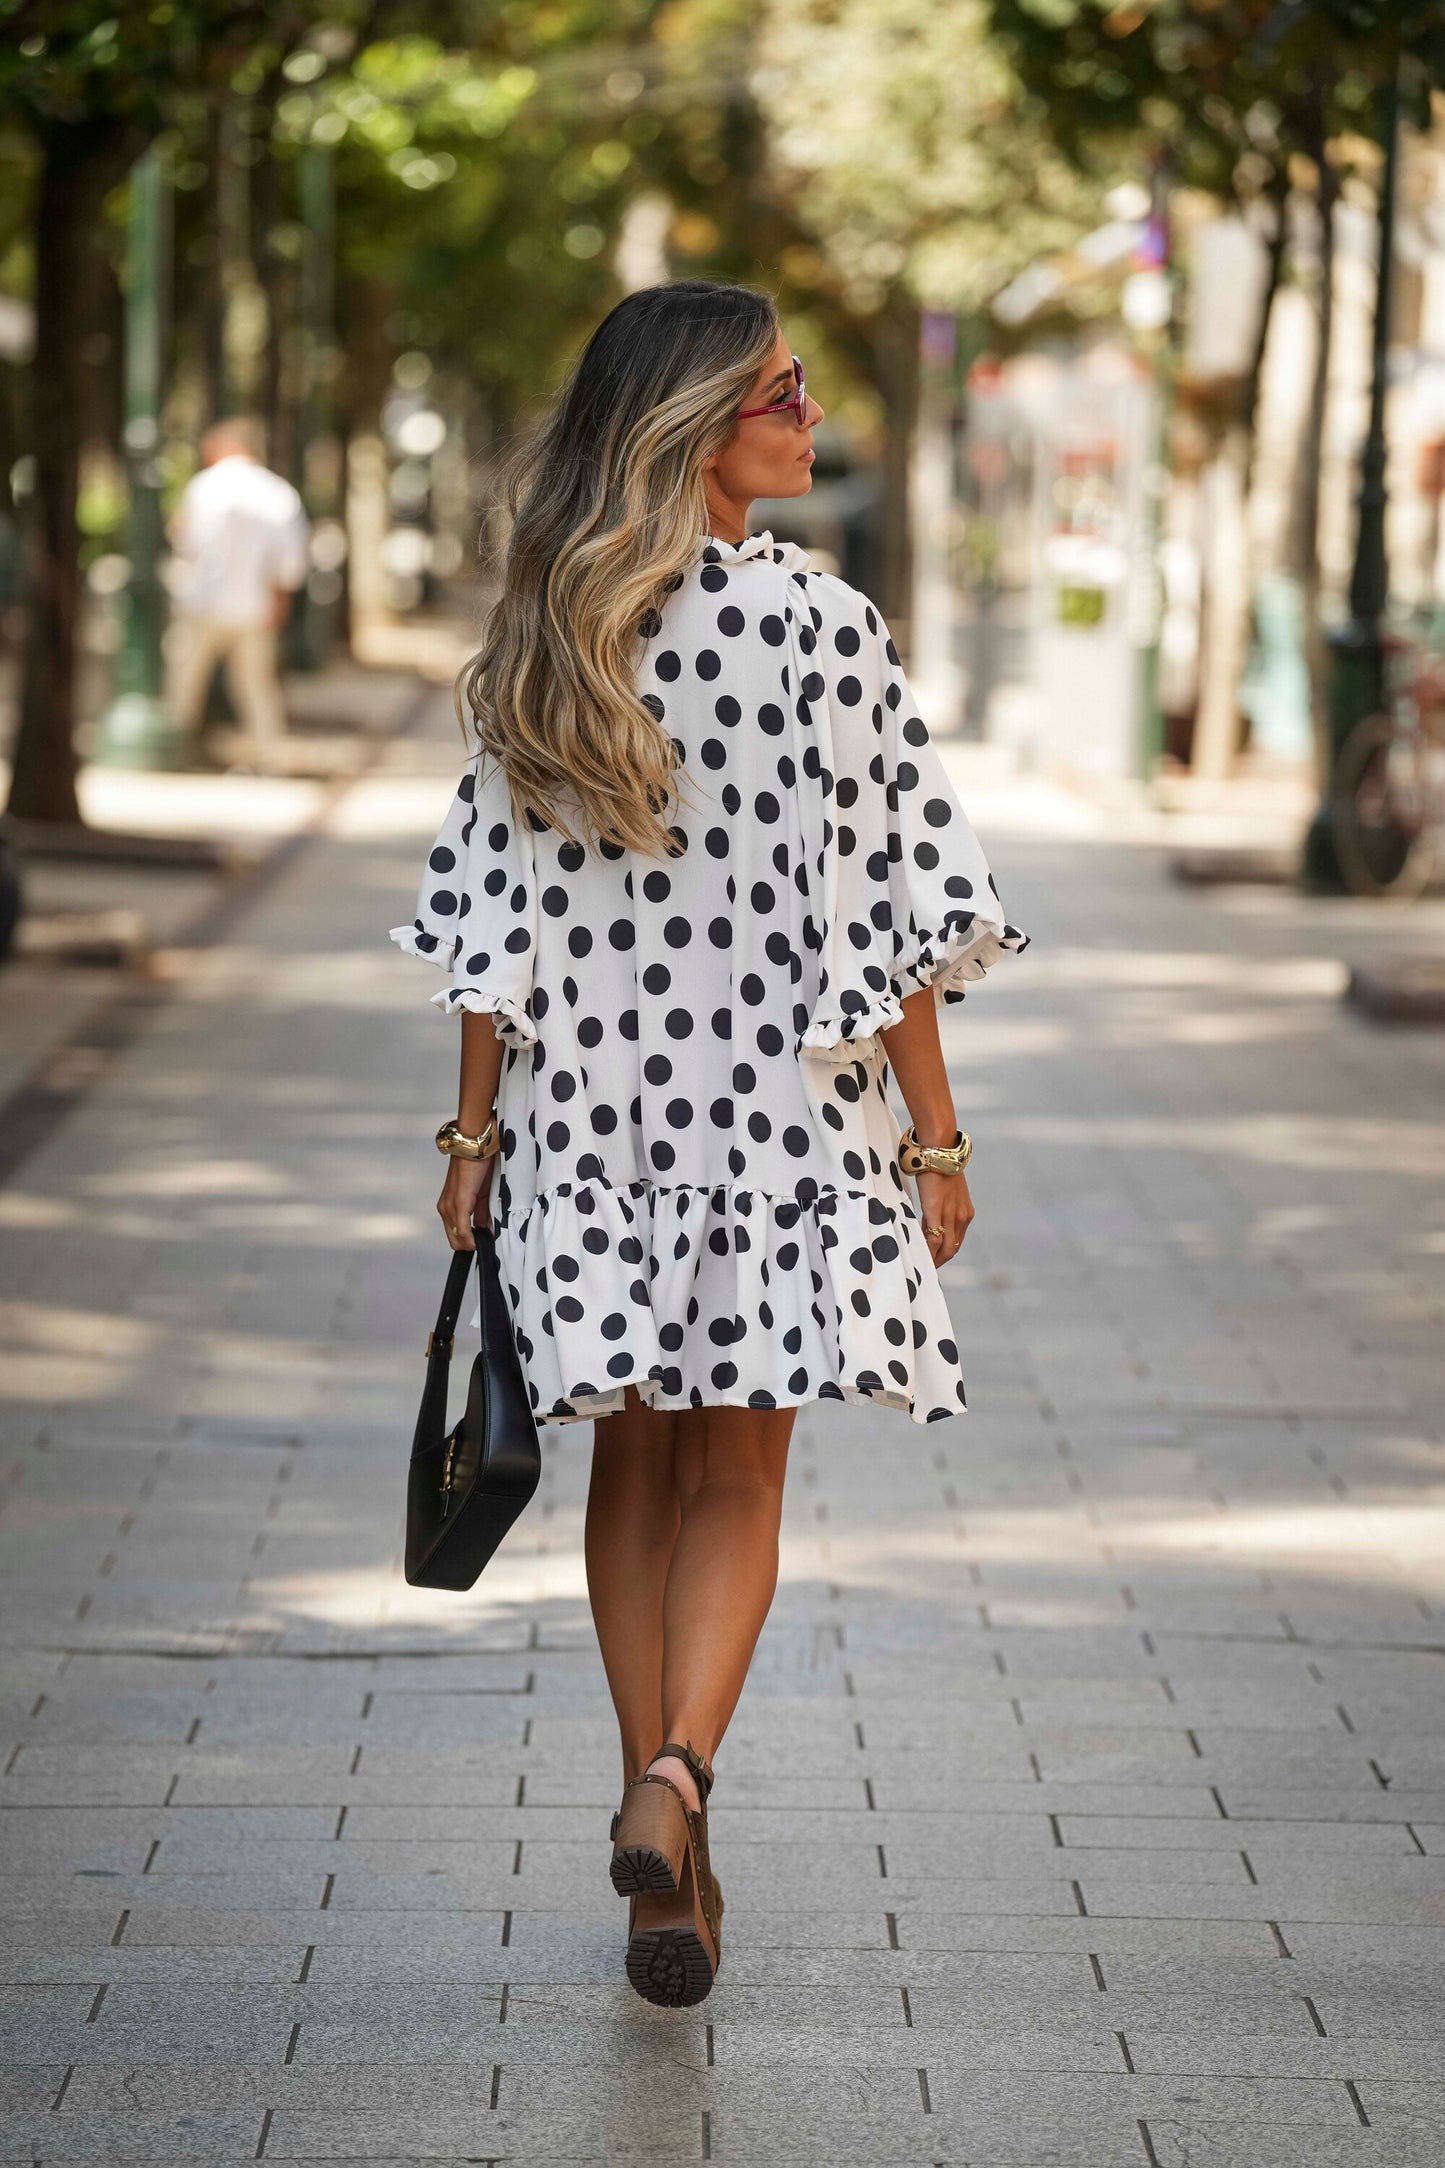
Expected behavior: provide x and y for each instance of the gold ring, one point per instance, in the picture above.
(933, 1230)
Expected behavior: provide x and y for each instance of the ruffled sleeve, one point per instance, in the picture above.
(906, 897)
(476, 913)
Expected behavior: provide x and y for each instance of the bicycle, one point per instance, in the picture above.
(1387, 794)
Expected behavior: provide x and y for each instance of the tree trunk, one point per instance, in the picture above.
(365, 383)
(82, 162)
(896, 346)
(277, 281)
(207, 292)
(1305, 526)
(1274, 272)
(1225, 644)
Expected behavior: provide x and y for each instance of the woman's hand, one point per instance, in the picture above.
(944, 1202)
(464, 1199)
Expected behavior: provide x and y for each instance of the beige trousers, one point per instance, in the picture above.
(249, 652)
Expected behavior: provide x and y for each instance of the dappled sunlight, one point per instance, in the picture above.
(180, 1177)
(319, 1224)
(92, 1354)
(1240, 1027)
(1395, 1549)
(1007, 1038)
(260, 807)
(375, 980)
(1399, 1546)
(363, 1597)
(322, 1223)
(1319, 978)
(55, 1327)
(1312, 1143)
(389, 808)
(1286, 1222)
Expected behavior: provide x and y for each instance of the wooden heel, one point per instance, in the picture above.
(650, 1837)
(672, 1950)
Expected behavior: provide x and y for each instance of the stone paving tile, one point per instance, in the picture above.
(1266, 1840)
(62, 1777)
(43, 2023)
(1234, 2013)
(1356, 1804)
(196, 2135)
(32, 1896)
(1006, 2046)
(1199, 2142)
(1197, 2051)
(231, 1962)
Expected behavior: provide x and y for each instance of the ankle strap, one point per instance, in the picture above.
(701, 1769)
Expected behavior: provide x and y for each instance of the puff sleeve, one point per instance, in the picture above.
(477, 907)
(905, 893)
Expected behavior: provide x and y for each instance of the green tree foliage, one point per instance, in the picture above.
(1220, 83)
(911, 147)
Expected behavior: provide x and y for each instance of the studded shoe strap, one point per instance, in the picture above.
(701, 1769)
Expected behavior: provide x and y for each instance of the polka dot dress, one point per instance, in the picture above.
(698, 1192)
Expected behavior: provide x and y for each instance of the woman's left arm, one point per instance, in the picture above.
(915, 1054)
(468, 1184)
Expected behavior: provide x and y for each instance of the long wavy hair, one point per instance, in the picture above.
(608, 508)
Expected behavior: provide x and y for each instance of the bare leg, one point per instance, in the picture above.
(682, 1562)
(731, 1463)
(632, 1525)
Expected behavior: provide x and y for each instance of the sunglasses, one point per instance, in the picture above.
(796, 401)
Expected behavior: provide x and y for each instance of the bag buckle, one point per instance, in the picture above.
(437, 1346)
(453, 1445)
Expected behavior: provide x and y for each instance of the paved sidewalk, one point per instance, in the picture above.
(1087, 1802)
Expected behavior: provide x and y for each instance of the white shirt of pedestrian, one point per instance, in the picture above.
(698, 1191)
(241, 533)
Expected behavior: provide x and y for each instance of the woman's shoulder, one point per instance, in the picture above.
(842, 620)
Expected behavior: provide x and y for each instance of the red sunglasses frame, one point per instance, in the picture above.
(798, 402)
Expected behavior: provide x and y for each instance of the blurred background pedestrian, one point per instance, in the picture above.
(240, 535)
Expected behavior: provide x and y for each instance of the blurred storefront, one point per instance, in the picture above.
(1156, 522)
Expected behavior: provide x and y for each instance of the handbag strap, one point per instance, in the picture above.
(432, 1415)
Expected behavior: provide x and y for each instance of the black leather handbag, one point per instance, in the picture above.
(466, 1486)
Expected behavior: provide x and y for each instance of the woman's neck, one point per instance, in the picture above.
(727, 519)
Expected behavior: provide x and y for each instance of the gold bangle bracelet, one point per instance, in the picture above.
(916, 1158)
(456, 1144)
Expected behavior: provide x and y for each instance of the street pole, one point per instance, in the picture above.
(1155, 253)
(137, 729)
(932, 613)
(309, 633)
(1356, 674)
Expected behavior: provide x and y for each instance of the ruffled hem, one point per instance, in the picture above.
(943, 961)
(650, 1393)
(724, 1296)
(511, 1019)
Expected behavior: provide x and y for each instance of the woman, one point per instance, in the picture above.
(703, 883)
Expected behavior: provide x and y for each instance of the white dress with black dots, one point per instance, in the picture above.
(699, 1191)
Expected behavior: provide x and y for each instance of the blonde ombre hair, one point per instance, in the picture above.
(608, 512)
